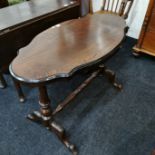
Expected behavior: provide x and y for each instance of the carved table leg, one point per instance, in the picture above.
(2, 81)
(111, 76)
(19, 91)
(45, 118)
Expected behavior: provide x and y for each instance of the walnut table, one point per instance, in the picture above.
(62, 50)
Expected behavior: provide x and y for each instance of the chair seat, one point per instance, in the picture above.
(108, 12)
(105, 12)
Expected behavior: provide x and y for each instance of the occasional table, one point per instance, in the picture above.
(62, 50)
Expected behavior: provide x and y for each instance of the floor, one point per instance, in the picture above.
(100, 121)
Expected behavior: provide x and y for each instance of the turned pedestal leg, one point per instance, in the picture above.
(19, 91)
(2, 81)
(111, 76)
(45, 117)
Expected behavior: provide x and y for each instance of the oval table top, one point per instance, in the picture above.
(64, 48)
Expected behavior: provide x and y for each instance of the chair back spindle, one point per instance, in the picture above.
(119, 7)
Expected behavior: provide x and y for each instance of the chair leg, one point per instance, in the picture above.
(2, 81)
(19, 91)
(111, 77)
(45, 118)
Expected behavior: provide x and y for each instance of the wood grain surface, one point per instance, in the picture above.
(26, 11)
(64, 48)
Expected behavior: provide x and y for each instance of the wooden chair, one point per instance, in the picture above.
(119, 7)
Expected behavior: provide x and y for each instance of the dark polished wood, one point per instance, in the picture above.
(3, 3)
(118, 7)
(146, 41)
(45, 117)
(20, 23)
(29, 19)
(62, 50)
(101, 70)
(76, 43)
(30, 11)
(111, 76)
(71, 96)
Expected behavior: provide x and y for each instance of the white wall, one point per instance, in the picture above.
(136, 16)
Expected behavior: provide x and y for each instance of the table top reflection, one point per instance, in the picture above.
(15, 15)
(61, 50)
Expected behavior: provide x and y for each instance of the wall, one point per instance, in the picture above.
(136, 16)
(85, 7)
